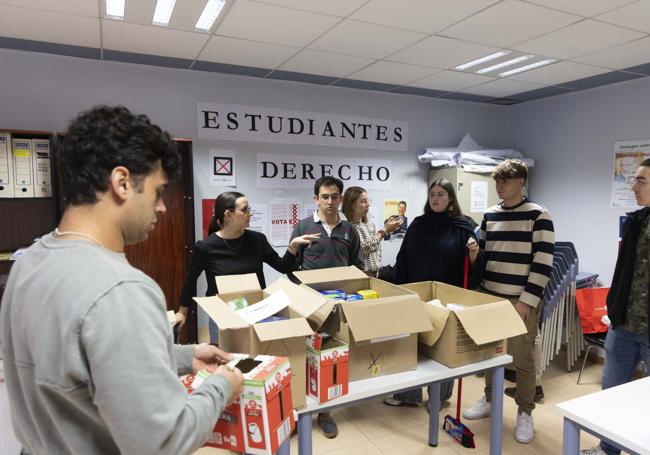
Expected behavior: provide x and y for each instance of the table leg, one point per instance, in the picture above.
(304, 434)
(434, 409)
(496, 417)
(571, 441)
(285, 447)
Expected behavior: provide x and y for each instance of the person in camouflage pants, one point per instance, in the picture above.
(628, 340)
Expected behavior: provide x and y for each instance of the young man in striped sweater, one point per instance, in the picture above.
(518, 239)
(338, 246)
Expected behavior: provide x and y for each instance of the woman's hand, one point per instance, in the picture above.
(297, 242)
(472, 246)
(392, 223)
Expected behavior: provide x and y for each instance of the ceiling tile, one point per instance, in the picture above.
(365, 40)
(50, 27)
(508, 23)
(451, 81)
(578, 39)
(74, 7)
(419, 15)
(619, 57)
(586, 8)
(145, 39)
(341, 8)
(223, 49)
(139, 12)
(325, 63)
(274, 24)
(501, 87)
(559, 72)
(441, 52)
(391, 73)
(633, 16)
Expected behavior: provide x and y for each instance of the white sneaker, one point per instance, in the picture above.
(482, 408)
(525, 431)
(595, 450)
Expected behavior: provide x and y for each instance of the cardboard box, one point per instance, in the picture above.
(305, 313)
(262, 418)
(381, 333)
(475, 333)
(327, 368)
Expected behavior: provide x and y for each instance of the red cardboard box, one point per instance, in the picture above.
(262, 418)
(327, 368)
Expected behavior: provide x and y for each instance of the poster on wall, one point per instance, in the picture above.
(259, 216)
(479, 196)
(628, 155)
(396, 208)
(284, 214)
(207, 211)
(222, 168)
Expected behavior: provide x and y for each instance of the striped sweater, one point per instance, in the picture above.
(518, 243)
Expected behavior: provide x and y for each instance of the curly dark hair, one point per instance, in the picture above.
(327, 180)
(104, 137)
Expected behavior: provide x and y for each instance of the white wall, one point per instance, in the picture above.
(571, 137)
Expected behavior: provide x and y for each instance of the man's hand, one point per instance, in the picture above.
(207, 355)
(522, 309)
(235, 378)
(297, 242)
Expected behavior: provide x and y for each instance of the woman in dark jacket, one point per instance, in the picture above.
(434, 249)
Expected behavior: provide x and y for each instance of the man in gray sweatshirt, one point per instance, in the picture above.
(89, 358)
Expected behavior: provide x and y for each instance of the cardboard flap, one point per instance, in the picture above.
(220, 313)
(277, 330)
(438, 318)
(303, 301)
(330, 274)
(491, 322)
(387, 317)
(237, 283)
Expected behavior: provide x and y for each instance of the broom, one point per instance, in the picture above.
(453, 426)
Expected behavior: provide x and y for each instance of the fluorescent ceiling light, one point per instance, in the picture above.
(163, 12)
(528, 67)
(115, 9)
(478, 61)
(209, 14)
(510, 62)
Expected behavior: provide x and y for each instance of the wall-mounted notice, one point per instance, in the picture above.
(628, 155)
(284, 214)
(222, 168)
(259, 217)
(235, 122)
(479, 197)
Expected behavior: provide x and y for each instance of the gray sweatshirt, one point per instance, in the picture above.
(89, 358)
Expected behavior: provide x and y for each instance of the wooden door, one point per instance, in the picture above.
(164, 256)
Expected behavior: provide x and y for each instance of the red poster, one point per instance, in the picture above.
(207, 210)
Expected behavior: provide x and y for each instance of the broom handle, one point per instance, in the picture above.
(460, 392)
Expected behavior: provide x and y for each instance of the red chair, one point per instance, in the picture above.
(592, 306)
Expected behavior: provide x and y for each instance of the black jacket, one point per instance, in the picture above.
(619, 293)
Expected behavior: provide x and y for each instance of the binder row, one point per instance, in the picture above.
(25, 167)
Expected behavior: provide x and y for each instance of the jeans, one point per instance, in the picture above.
(623, 353)
(415, 396)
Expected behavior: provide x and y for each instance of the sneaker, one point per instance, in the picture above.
(510, 375)
(595, 450)
(390, 401)
(525, 431)
(328, 425)
(539, 393)
(482, 408)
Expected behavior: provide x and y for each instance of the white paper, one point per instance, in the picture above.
(223, 168)
(479, 197)
(284, 214)
(276, 302)
(259, 217)
(628, 156)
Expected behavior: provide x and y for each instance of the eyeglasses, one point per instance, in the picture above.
(246, 210)
(329, 197)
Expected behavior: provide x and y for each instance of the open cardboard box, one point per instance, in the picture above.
(285, 338)
(381, 333)
(477, 332)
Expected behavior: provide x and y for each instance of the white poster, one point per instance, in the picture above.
(234, 122)
(628, 156)
(259, 218)
(284, 214)
(222, 168)
(296, 171)
(479, 197)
